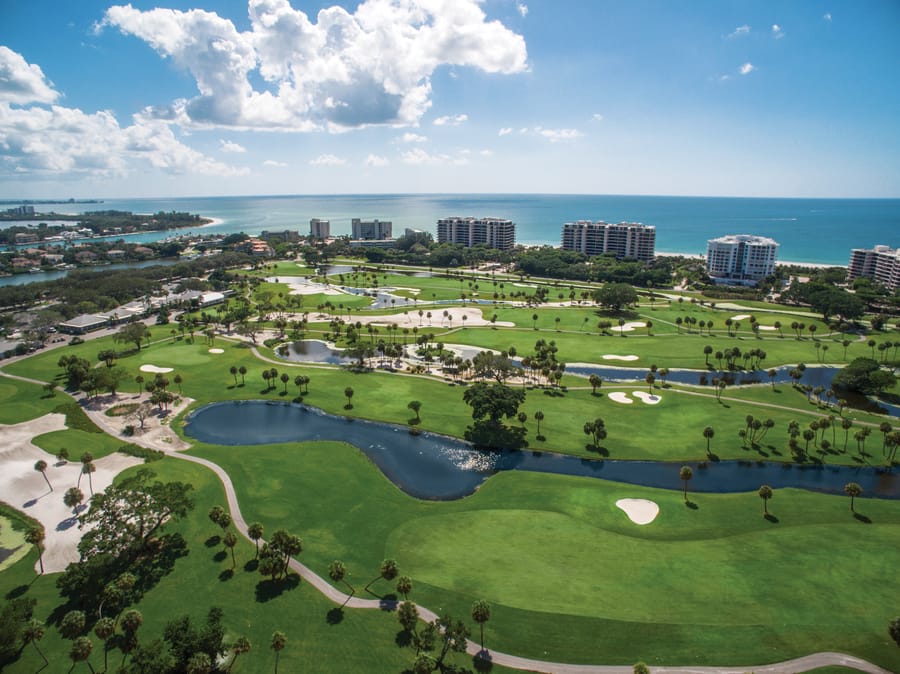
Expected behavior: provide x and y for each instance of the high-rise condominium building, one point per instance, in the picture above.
(626, 239)
(370, 229)
(881, 264)
(494, 232)
(740, 257)
(320, 229)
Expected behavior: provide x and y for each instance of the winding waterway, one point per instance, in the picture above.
(435, 467)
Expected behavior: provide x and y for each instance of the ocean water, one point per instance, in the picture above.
(809, 230)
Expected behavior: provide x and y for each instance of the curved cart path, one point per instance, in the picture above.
(804, 663)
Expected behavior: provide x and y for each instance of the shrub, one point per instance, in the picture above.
(144, 453)
(76, 418)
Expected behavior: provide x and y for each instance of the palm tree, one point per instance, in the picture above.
(88, 468)
(337, 571)
(388, 571)
(230, 540)
(255, 532)
(415, 406)
(73, 498)
(33, 632)
(41, 467)
(481, 613)
(279, 641)
(596, 381)
(539, 417)
(707, 351)
(348, 393)
(243, 372)
(240, 646)
(178, 379)
(852, 489)
(81, 651)
(765, 493)
(650, 379)
(104, 629)
(199, 663)
(708, 433)
(35, 536)
(884, 427)
(234, 372)
(534, 318)
(404, 586)
(686, 473)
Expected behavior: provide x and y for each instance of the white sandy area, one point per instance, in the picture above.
(647, 398)
(767, 327)
(639, 510)
(620, 397)
(155, 369)
(524, 285)
(24, 488)
(217, 350)
(300, 286)
(740, 317)
(610, 356)
(474, 317)
(628, 327)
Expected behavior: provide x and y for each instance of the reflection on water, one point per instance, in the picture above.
(436, 467)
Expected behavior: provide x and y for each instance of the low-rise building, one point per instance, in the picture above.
(79, 325)
(881, 264)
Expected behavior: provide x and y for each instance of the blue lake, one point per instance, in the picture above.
(436, 467)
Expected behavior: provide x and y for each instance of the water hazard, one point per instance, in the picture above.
(435, 467)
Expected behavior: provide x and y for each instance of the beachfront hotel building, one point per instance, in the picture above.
(740, 258)
(625, 239)
(881, 264)
(493, 232)
(370, 230)
(320, 229)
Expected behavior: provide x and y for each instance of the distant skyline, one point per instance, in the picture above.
(226, 97)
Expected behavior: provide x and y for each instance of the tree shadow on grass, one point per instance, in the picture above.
(226, 575)
(691, 505)
(862, 518)
(403, 639)
(220, 556)
(270, 589)
(712, 456)
(771, 518)
(17, 591)
(212, 541)
(594, 449)
(335, 616)
(251, 566)
(482, 662)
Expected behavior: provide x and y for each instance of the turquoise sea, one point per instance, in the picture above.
(809, 230)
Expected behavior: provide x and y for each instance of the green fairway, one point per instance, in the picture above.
(557, 559)
(21, 401)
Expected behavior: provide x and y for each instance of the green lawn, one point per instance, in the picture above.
(21, 401)
(359, 641)
(570, 578)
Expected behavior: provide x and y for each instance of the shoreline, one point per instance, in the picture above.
(778, 263)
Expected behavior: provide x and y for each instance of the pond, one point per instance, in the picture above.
(313, 351)
(435, 467)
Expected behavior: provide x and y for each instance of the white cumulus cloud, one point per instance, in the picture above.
(419, 157)
(413, 138)
(22, 82)
(523, 9)
(747, 68)
(275, 164)
(344, 70)
(505, 131)
(777, 31)
(558, 135)
(739, 31)
(375, 161)
(327, 160)
(451, 120)
(597, 117)
(231, 146)
(40, 138)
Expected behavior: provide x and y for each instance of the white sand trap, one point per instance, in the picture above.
(155, 370)
(619, 397)
(740, 317)
(217, 350)
(628, 327)
(639, 510)
(646, 398)
(767, 327)
(610, 356)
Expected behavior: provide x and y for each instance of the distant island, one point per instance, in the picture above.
(42, 202)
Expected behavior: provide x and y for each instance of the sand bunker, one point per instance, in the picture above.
(645, 397)
(639, 510)
(217, 350)
(610, 356)
(628, 327)
(740, 317)
(619, 397)
(767, 327)
(155, 370)
(304, 287)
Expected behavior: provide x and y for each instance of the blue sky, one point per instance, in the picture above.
(692, 97)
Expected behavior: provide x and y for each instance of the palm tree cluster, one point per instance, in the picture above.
(275, 556)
